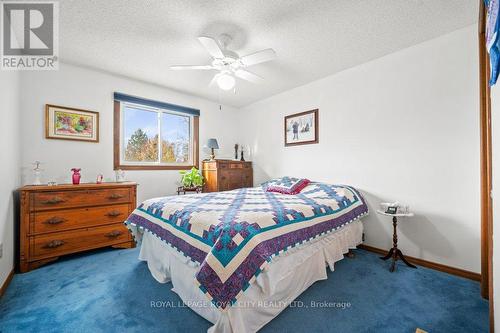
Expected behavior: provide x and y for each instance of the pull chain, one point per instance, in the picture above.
(218, 99)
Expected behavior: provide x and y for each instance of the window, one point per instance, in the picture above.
(154, 135)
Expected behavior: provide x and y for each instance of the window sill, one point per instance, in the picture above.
(154, 167)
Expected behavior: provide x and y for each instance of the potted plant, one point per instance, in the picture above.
(191, 180)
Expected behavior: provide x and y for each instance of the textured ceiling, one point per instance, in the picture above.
(312, 38)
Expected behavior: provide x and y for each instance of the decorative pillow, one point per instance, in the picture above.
(265, 184)
(287, 185)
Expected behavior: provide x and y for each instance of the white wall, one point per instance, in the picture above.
(403, 127)
(9, 166)
(82, 88)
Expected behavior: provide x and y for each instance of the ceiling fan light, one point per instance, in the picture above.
(226, 82)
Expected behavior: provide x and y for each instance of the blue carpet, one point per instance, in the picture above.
(111, 291)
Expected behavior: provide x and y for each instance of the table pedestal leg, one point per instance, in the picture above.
(388, 255)
(402, 257)
(394, 252)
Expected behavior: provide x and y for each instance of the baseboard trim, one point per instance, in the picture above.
(6, 283)
(429, 264)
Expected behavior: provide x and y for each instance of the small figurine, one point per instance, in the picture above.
(37, 173)
(242, 157)
(76, 176)
(236, 151)
(99, 178)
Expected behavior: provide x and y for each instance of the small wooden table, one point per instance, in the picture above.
(183, 190)
(394, 252)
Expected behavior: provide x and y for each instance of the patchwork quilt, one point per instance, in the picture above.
(233, 235)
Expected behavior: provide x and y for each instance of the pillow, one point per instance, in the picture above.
(265, 184)
(287, 185)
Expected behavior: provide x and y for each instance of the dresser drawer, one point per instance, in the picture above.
(60, 220)
(234, 165)
(67, 199)
(65, 242)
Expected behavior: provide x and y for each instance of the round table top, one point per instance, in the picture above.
(397, 214)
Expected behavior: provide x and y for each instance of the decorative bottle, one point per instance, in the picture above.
(76, 176)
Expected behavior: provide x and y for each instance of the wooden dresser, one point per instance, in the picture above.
(225, 175)
(63, 219)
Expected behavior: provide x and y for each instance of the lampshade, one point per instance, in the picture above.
(212, 143)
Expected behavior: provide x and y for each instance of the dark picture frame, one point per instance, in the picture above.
(301, 124)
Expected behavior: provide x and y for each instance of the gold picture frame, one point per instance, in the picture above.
(64, 123)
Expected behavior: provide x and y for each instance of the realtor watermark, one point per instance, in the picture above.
(29, 35)
(340, 305)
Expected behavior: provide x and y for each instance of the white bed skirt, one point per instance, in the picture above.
(286, 277)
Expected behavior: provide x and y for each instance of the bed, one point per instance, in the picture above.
(238, 258)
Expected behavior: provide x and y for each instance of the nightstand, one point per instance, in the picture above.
(394, 252)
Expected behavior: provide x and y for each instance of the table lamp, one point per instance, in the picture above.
(212, 144)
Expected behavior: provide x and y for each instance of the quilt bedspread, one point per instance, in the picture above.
(233, 235)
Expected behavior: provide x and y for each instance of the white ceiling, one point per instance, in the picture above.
(312, 38)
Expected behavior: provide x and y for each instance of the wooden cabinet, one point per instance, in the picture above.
(64, 219)
(226, 175)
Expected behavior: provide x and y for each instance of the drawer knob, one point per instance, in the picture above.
(114, 213)
(52, 201)
(114, 233)
(54, 220)
(53, 244)
(115, 196)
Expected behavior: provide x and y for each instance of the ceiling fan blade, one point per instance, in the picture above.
(246, 75)
(184, 67)
(258, 57)
(214, 80)
(211, 46)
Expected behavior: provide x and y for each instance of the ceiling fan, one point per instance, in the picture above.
(228, 63)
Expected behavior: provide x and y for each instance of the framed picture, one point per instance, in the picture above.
(301, 128)
(71, 124)
(391, 210)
